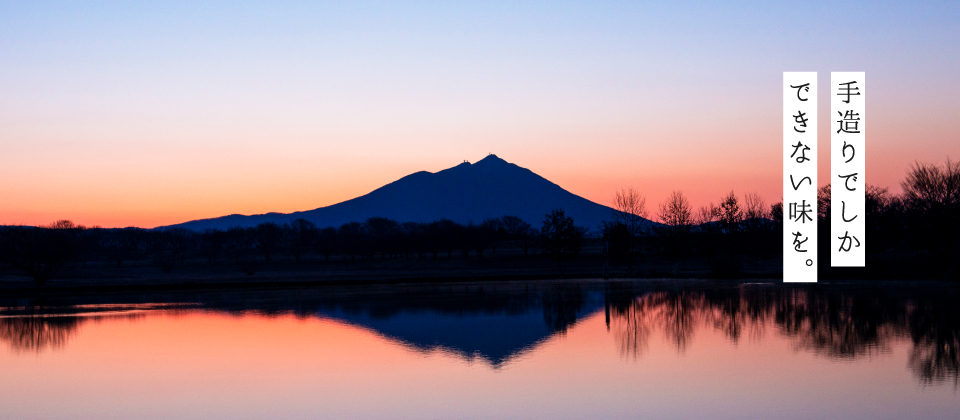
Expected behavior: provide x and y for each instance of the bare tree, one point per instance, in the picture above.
(676, 216)
(675, 212)
(932, 197)
(62, 225)
(930, 188)
(730, 213)
(755, 223)
(754, 212)
(705, 215)
(629, 217)
(630, 208)
(754, 207)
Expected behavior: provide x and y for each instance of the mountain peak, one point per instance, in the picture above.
(490, 159)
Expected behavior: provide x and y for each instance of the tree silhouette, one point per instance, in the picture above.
(932, 197)
(327, 242)
(269, 239)
(239, 243)
(730, 214)
(212, 244)
(445, 234)
(776, 212)
(676, 218)
(559, 237)
(170, 247)
(40, 251)
(413, 239)
(299, 235)
(383, 232)
(484, 235)
(352, 239)
(675, 212)
(619, 242)
(629, 223)
(519, 233)
(125, 244)
(730, 217)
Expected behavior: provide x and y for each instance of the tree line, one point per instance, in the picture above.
(917, 231)
(41, 251)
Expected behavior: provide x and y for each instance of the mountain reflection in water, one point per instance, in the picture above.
(497, 322)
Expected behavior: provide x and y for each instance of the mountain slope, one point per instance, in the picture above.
(467, 192)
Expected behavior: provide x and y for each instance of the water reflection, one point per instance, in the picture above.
(935, 332)
(492, 322)
(497, 322)
(39, 324)
(843, 322)
(37, 333)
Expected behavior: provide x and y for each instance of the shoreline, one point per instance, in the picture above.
(295, 283)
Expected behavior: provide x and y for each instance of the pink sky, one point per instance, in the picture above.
(141, 117)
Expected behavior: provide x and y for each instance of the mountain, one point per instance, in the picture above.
(464, 193)
(497, 324)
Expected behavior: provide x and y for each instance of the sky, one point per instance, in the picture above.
(146, 114)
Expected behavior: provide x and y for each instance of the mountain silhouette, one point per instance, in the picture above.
(495, 337)
(464, 193)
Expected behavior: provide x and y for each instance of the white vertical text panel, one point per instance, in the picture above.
(799, 177)
(847, 165)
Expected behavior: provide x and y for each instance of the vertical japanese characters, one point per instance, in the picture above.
(847, 164)
(800, 176)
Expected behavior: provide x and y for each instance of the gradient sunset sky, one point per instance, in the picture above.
(139, 114)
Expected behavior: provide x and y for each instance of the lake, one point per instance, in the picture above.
(505, 350)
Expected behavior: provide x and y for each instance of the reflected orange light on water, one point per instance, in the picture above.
(196, 364)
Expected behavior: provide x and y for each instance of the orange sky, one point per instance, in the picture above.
(163, 181)
(150, 115)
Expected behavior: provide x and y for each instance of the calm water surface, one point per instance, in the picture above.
(550, 350)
